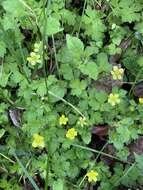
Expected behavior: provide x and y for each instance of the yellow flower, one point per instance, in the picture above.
(117, 73)
(34, 58)
(63, 120)
(141, 100)
(71, 133)
(92, 176)
(113, 99)
(37, 47)
(38, 141)
(82, 121)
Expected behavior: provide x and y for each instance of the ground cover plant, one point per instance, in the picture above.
(71, 94)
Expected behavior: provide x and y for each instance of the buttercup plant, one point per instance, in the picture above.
(141, 100)
(38, 141)
(71, 95)
(71, 133)
(63, 120)
(37, 47)
(92, 176)
(82, 121)
(114, 99)
(34, 58)
(117, 73)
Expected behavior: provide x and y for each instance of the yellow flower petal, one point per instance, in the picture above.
(117, 73)
(37, 47)
(38, 141)
(141, 100)
(71, 133)
(92, 176)
(63, 120)
(113, 99)
(34, 58)
(82, 121)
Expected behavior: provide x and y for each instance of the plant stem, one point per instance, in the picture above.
(138, 75)
(47, 173)
(55, 54)
(66, 102)
(46, 5)
(13, 162)
(85, 2)
(102, 153)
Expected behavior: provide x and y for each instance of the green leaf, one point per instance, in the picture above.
(90, 69)
(102, 61)
(68, 17)
(17, 77)
(93, 25)
(74, 43)
(78, 86)
(4, 79)
(2, 132)
(53, 26)
(75, 46)
(58, 185)
(2, 48)
(112, 49)
(14, 7)
(8, 22)
(58, 92)
(86, 137)
(139, 27)
(140, 61)
(41, 91)
(139, 160)
(66, 71)
(129, 10)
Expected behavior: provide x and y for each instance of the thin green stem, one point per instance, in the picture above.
(24, 61)
(102, 153)
(44, 42)
(46, 6)
(97, 3)
(55, 54)
(85, 2)
(30, 10)
(66, 102)
(1, 68)
(47, 172)
(7, 158)
(137, 77)
(84, 177)
(81, 182)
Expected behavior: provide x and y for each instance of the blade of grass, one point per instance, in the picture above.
(7, 158)
(117, 182)
(28, 163)
(25, 172)
(45, 10)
